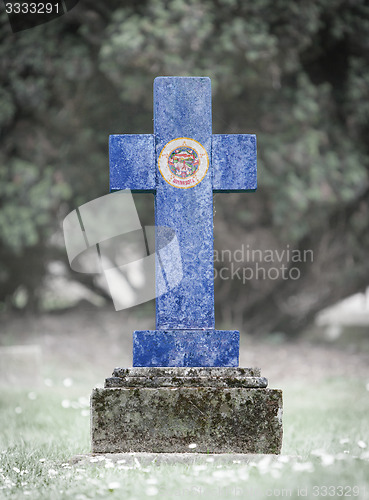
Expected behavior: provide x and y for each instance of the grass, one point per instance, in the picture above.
(325, 451)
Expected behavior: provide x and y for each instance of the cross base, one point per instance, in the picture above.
(186, 348)
(182, 410)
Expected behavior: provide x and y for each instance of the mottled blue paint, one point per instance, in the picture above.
(186, 348)
(234, 162)
(132, 162)
(185, 334)
(182, 108)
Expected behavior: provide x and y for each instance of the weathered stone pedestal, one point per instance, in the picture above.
(221, 410)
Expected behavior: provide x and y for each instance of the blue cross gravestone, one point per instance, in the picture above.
(185, 391)
(183, 164)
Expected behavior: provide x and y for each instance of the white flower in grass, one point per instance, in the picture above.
(85, 413)
(114, 485)
(42, 460)
(8, 483)
(123, 461)
(26, 492)
(83, 401)
(94, 459)
(303, 467)
(318, 453)
(361, 444)
(341, 456)
(65, 403)
(94, 481)
(199, 467)
(243, 474)
(277, 465)
(15, 469)
(18, 410)
(67, 382)
(109, 465)
(32, 396)
(344, 440)
(152, 480)
(275, 473)
(192, 446)
(152, 491)
(327, 460)
(210, 459)
(52, 472)
(218, 473)
(264, 464)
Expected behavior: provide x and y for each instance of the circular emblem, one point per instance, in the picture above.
(183, 162)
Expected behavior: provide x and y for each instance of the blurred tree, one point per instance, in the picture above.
(296, 74)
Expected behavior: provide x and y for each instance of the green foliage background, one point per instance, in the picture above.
(294, 73)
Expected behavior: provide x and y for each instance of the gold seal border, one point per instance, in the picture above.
(188, 139)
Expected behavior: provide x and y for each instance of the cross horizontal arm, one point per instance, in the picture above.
(234, 162)
(132, 162)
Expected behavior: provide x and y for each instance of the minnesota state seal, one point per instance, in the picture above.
(183, 162)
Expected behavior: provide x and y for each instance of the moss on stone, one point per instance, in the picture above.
(237, 420)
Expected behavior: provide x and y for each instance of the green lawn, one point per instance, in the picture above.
(325, 451)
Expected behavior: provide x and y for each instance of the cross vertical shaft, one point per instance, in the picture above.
(182, 108)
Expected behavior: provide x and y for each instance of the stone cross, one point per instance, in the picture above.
(183, 164)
